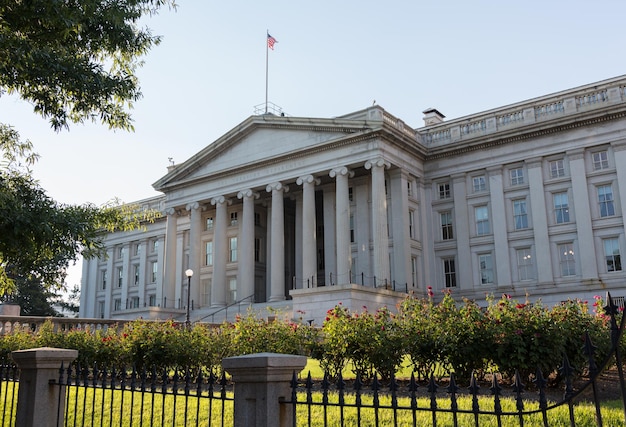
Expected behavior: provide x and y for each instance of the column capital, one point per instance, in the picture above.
(247, 193)
(619, 145)
(308, 179)
(192, 206)
(496, 169)
(170, 212)
(534, 162)
(278, 186)
(219, 200)
(458, 177)
(576, 154)
(378, 162)
(341, 171)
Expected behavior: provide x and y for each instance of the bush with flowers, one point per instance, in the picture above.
(459, 337)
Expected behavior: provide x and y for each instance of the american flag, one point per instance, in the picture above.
(270, 41)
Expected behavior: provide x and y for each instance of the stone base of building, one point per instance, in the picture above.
(311, 304)
(150, 313)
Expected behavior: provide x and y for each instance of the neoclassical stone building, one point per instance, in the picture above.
(301, 213)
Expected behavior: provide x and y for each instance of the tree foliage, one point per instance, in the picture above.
(41, 237)
(75, 60)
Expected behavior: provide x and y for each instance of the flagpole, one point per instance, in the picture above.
(267, 32)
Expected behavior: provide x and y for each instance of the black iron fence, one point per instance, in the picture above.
(9, 375)
(337, 403)
(145, 398)
(180, 397)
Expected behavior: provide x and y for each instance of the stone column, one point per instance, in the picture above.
(277, 274)
(400, 228)
(262, 380)
(463, 220)
(169, 263)
(195, 232)
(540, 222)
(309, 257)
(500, 235)
(220, 252)
(342, 222)
(586, 247)
(245, 266)
(379, 220)
(40, 398)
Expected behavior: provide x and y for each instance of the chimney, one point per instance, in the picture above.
(432, 117)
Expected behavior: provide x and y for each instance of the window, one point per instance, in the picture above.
(444, 191)
(479, 183)
(600, 160)
(612, 256)
(232, 287)
(561, 207)
(208, 249)
(352, 227)
(449, 272)
(209, 223)
(137, 249)
(257, 250)
(121, 252)
(103, 281)
(605, 199)
(117, 304)
(524, 264)
(557, 169)
(136, 275)
(409, 188)
(257, 219)
(446, 225)
(485, 263)
(517, 176)
(411, 224)
(101, 309)
(152, 300)
(233, 249)
(233, 218)
(520, 215)
(566, 259)
(413, 270)
(155, 245)
(482, 220)
(120, 276)
(153, 269)
(350, 194)
(134, 302)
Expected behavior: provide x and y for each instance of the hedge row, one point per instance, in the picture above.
(458, 337)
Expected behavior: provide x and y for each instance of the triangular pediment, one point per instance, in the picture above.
(260, 140)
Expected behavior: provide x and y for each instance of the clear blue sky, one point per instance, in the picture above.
(332, 57)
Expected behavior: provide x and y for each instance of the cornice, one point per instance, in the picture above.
(494, 141)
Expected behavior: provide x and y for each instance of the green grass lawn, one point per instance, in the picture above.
(106, 407)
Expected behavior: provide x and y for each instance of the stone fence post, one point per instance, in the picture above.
(39, 394)
(261, 381)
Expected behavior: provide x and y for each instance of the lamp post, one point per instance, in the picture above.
(188, 273)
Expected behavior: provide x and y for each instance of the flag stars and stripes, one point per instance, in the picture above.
(270, 41)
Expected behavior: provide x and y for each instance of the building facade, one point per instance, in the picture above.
(526, 199)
